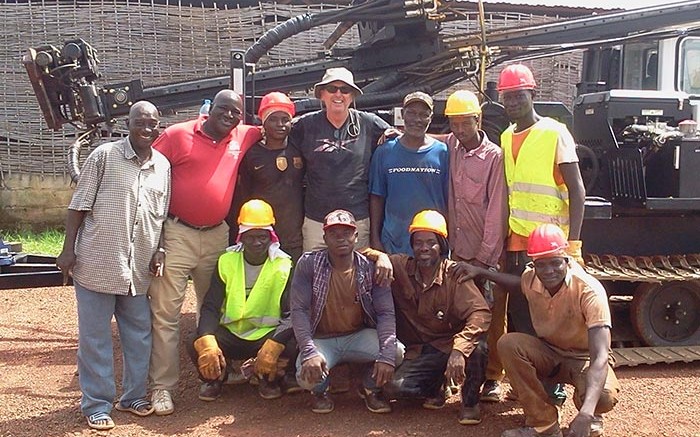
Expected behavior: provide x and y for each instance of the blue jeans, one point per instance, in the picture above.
(359, 347)
(95, 357)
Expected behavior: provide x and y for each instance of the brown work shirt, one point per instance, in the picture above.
(436, 311)
(342, 314)
(477, 216)
(563, 320)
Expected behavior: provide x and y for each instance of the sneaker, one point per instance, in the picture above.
(596, 427)
(557, 393)
(162, 402)
(491, 391)
(438, 401)
(322, 403)
(470, 415)
(269, 389)
(554, 431)
(374, 400)
(210, 391)
(290, 385)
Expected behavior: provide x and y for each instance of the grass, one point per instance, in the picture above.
(48, 242)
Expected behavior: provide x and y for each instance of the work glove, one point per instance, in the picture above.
(210, 361)
(266, 360)
(574, 251)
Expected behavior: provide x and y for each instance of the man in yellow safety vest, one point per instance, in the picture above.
(245, 312)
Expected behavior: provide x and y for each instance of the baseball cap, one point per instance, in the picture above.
(339, 217)
(418, 96)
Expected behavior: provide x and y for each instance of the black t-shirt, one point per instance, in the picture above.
(275, 176)
(337, 161)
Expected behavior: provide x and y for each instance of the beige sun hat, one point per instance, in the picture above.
(333, 74)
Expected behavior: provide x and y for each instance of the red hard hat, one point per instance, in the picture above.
(516, 77)
(273, 102)
(546, 240)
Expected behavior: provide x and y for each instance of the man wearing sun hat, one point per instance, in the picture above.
(273, 172)
(408, 174)
(571, 344)
(245, 312)
(340, 315)
(336, 144)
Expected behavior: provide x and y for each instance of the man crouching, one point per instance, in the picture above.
(245, 312)
(571, 317)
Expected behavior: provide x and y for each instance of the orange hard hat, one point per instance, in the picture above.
(273, 102)
(256, 213)
(516, 77)
(429, 220)
(547, 240)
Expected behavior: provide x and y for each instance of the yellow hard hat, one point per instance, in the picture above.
(462, 102)
(429, 220)
(256, 213)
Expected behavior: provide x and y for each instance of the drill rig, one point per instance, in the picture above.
(632, 118)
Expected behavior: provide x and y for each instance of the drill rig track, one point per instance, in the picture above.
(648, 270)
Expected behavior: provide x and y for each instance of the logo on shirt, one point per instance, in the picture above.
(297, 162)
(281, 163)
(234, 148)
(329, 146)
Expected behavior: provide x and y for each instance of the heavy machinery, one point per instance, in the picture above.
(633, 118)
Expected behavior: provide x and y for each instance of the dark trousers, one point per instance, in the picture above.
(424, 376)
(518, 310)
(235, 348)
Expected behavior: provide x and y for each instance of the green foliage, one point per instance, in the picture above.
(48, 242)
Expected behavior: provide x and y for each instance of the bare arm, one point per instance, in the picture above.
(598, 344)
(465, 271)
(577, 195)
(66, 260)
(376, 219)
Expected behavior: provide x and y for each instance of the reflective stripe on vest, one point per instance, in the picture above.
(257, 315)
(533, 195)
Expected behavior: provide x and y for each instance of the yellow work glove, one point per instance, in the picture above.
(266, 360)
(574, 251)
(210, 361)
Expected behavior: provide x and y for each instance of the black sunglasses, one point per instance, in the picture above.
(343, 89)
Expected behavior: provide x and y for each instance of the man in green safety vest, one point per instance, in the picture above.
(245, 312)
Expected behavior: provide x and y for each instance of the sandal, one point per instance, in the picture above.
(100, 421)
(140, 407)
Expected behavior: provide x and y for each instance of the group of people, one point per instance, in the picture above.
(310, 245)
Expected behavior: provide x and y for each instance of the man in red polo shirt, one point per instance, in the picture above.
(204, 154)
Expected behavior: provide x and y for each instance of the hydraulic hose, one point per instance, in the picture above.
(83, 140)
(277, 34)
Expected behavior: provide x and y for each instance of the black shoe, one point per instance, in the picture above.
(269, 389)
(470, 415)
(374, 400)
(290, 385)
(322, 403)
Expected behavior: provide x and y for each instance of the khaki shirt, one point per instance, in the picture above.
(442, 313)
(563, 320)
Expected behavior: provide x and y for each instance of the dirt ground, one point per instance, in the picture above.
(39, 393)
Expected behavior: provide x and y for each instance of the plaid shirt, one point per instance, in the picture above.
(310, 291)
(126, 204)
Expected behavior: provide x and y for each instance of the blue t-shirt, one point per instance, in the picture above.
(409, 181)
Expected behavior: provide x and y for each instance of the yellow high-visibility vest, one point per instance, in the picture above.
(253, 317)
(533, 195)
